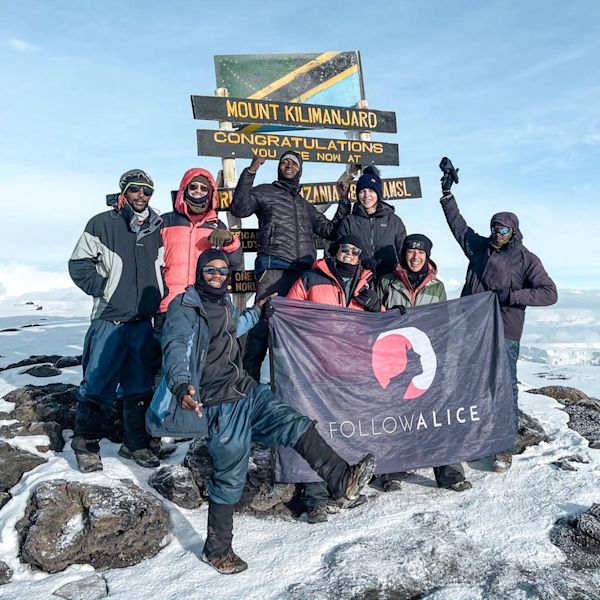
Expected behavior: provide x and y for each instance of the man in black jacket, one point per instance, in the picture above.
(117, 261)
(502, 264)
(287, 224)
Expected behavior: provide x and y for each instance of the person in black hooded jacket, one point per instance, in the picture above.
(287, 224)
(381, 231)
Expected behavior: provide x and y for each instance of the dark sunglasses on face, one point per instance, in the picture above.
(201, 187)
(347, 249)
(501, 230)
(224, 271)
(135, 187)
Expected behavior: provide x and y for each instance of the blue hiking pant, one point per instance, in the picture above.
(233, 426)
(117, 363)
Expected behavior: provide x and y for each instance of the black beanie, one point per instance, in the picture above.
(417, 241)
(206, 257)
(135, 176)
(370, 180)
(345, 239)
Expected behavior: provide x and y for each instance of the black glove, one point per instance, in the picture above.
(268, 310)
(368, 299)
(401, 308)
(503, 296)
(180, 391)
(450, 175)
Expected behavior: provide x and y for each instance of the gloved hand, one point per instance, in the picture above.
(400, 308)
(503, 296)
(220, 237)
(368, 299)
(450, 175)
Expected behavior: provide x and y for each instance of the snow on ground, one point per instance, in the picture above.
(489, 542)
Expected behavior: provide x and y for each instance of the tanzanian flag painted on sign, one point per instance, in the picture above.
(331, 78)
(424, 389)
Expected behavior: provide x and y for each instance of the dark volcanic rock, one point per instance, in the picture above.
(69, 523)
(52, 402)
(4, 498)
(13, 463)
(68, 361)
(34, 359)
(530, 433)
(50, 429)
(261, 495)
(176, 483)
(583, 411)
(586, 422)
(90, 588)
(5, 573)
(579, 538)
(42, 371)
(562, 393)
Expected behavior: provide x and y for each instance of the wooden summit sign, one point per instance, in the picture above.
(292, 114)
(249, 240)
(397, 188)
(237, 144)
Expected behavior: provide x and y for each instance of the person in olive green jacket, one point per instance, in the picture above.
(414, 283)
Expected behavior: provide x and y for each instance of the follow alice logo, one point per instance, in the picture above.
(390, 358)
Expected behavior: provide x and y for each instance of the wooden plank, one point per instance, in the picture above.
(243, 282)
(236, 144)
(241, 111)
(249, 240)
(395, 188)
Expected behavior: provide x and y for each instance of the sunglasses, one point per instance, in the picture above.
(136, 187)
(201, 187)
(224, 271)
(348, 249)
(501, 230)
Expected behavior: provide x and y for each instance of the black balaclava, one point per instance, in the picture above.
(345, 269)
(199, 205)
(416, 241)
(293, 185)
(206, 291)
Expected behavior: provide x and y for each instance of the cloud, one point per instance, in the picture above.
(22, 45)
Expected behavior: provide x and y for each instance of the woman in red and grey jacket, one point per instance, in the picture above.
(339, 280)
(190, 229)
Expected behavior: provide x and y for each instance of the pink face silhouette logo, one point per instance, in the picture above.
(389, 359)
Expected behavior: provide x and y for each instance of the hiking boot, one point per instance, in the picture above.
(87, 454)
(360, 476)
(143, 456)
(350, 504)
(227, 564)
(316, 514)
(161, 450)
(502, 462)
(88, 461)
(459, 486)
(390, 484)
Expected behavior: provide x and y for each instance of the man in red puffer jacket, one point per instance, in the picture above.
(190, 229)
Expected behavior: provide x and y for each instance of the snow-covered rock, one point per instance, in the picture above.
(13, 463)
(69, 523)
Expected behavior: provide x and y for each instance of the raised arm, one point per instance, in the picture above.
(245, 202)
(469, 241)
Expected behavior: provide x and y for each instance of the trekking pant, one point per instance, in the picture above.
(314, 494)
(257, 342)
(445, 475)
(117, 362)
(261, 417)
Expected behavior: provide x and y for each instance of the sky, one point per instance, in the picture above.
(509, 90)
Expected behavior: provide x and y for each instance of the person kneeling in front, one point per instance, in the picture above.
(202, 364)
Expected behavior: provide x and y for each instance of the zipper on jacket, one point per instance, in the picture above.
(232, 341)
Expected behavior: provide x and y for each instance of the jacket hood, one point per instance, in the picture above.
(363, 274)
(508, 219)
(181, 206)
(383, 209)
(290, 182)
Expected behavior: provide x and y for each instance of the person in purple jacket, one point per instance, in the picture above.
(502, 264)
